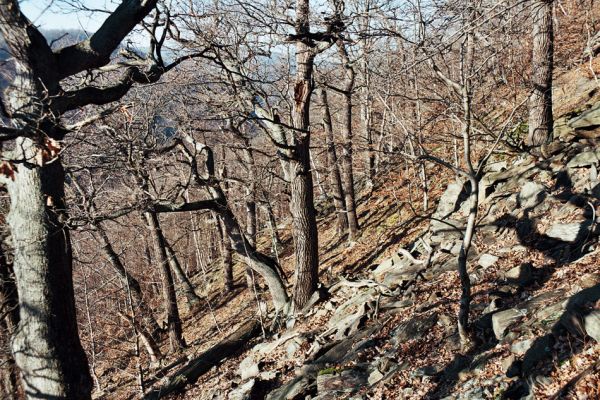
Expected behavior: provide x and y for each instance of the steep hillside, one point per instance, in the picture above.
(383, 326)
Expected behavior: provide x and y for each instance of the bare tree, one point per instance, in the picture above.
(542, 64)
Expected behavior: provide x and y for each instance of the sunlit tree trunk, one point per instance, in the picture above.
(540, 102)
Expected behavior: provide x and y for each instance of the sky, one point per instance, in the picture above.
(58, 14)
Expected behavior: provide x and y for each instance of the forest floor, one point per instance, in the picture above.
(429, 363)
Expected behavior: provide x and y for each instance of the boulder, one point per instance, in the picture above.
(519, 348)
(584, 159)
(531, 195)
(591, 323)
(341, 381)
(292, 390)
(450, 200)
(502, 320)
(521, 275)
(413, 328)
(395, 269)
(248, 368)
(569, 232)
(587, 119)
(242, 392)
(487, 260)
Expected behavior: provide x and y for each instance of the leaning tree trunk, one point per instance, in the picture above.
(46, 344)
(168, 288)
(193, 299)
(334, 169)
(129, 282)
(347, 169)
(540, 102)
(304, 222)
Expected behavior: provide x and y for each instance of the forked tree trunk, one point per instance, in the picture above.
(540, 102)
(347, 168)
(168, 288)
(46, 344)
(262, 264)
(333, 167)
(304, 223)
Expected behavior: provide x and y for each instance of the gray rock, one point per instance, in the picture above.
(531, 194)
(428, 370)
(242, 392)
(414, 328)
(291, 390)
(506, 363)
(584, 159)
(587, 119)
(450, 200)
(394, 270)
(487, 260)
(345, 381)
(540, 350)
(248, 368)
(521, 275)
(570, 232)
(591, 323)
(375, 377)
(521, 347)
(502, 320)
(291, 348)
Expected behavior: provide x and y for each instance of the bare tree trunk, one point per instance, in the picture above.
(46, 344)
(366, 115)
(168, 288)
(226, 256)
(304, 223)
(540, 102)
(147, 339)
(465, 280)
(251, 219)
(262, 264)
(348, 173)
(333, 167)
(276, 242)
(129, 281)
(188, 289)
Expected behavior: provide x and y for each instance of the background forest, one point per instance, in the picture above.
(281, 199)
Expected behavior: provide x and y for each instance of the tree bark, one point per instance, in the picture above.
(347, 168)
(226, 256)
(540, 101)
(304, 223)
(168, 288)
(46, 344)
(334, 169)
